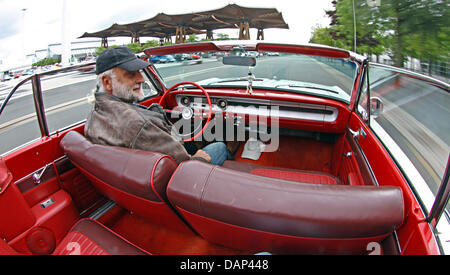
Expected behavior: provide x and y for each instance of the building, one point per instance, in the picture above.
(80, 50)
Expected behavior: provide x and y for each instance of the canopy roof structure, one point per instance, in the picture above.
(165, 26)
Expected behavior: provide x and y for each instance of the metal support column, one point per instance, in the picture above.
(105, 42)
(180, 35)
(260, 35)
(209, 34)
(244, 33)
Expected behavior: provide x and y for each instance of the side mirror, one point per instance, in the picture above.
(147, 90)
(376, 106)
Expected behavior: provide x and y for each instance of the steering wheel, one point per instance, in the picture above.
(188, 112)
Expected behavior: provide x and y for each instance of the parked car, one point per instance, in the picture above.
(87, 69)
(6, 77)
(168, 58)
(18, 74)
(195, 56)
(28, 72)
(155, 59)
(332, 155)
(182, 57)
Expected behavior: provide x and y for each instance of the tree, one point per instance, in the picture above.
(322, 36)
(47, 61)
(135, 47)
(150, 44)
(430, 38)
(192, 38)
(397, 13)
(222, 36)
(368, 26)
(99, 50)
(398, 27)
(419, 28)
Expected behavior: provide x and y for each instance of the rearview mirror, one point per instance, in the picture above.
(239, 61)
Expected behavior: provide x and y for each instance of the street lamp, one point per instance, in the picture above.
(24, 36)
(65, 43)
(354, 26)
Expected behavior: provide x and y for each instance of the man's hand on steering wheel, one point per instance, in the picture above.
(202, 154)
(188, 113)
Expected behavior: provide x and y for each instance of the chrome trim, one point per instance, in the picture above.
(441, 199)
(101, 210)
(51, 72)
(364, 157)
(368, 164)
(68, 127)
(40, 138)
(415, 75)
(39, 105)
(253, 44)
(247, 110)
(21, 146)
(38, 175)
(36, 178)
(38, 100)
(397, 242)
(8, 97)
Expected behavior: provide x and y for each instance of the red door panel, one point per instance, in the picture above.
(415, 236)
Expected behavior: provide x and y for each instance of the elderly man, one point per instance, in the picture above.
(116, 121)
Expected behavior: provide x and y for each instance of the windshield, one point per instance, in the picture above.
(304, 74)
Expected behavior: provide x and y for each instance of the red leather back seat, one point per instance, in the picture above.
(282, 173)
(254, 213)
(134, 179)
(88, 237)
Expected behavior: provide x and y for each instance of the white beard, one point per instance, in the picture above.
(125, 92)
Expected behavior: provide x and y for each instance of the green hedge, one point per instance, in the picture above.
(47, 61)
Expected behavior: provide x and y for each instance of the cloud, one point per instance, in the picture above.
(10, 22)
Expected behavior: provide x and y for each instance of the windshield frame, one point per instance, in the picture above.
(261, 47)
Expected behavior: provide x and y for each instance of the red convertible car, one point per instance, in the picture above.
(336, 155)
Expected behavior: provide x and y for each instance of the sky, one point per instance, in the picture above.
(27, 25)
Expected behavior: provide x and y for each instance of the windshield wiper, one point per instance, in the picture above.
(236, 80)
(307, 87)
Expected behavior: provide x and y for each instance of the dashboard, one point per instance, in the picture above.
(261, 107)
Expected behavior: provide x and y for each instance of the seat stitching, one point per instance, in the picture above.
(204, 188)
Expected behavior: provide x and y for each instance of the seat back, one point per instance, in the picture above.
(256, 213)
(134, 179)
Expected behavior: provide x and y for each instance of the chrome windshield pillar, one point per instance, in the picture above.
(442, 198)
(39, 105)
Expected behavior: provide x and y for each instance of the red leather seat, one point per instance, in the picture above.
(282, 173)
(134, 179)
(88, 237)
(255, 213)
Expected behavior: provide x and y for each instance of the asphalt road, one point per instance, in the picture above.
(416, 115)
(65, 102)
(301, 68)
(65, 105)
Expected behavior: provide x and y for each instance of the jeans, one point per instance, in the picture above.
(218, 152)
